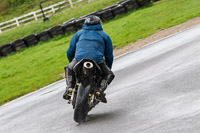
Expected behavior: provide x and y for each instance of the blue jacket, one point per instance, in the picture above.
(93, 43)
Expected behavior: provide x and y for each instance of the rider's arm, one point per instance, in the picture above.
(72, 47)
(108, 52)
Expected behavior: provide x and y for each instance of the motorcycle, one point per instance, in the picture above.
(85, 95)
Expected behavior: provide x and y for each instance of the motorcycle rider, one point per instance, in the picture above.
(93, 43)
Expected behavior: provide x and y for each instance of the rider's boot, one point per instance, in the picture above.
(108, 76)
(70, 81)
(101, 93)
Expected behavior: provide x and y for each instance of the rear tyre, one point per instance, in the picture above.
(82, 107)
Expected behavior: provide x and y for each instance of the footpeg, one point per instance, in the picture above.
(98, 93)
(101, 97)
(70, 90)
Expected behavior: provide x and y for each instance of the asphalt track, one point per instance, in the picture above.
(156, 90)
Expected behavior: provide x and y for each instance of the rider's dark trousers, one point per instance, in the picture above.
(107, 74)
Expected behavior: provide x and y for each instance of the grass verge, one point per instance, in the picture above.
(79, 9)
(10, 9)
(32, 68)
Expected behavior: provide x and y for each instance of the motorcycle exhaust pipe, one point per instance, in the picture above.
(87, 67)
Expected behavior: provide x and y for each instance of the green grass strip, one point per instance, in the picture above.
(79, 9)
(16, 8)
(32, 68)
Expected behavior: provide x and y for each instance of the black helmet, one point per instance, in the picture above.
(92, 20)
